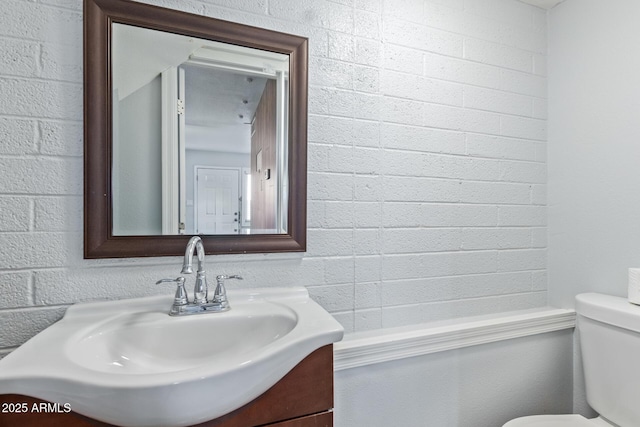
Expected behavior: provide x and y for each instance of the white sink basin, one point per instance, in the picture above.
(151, 342)
(129, 363)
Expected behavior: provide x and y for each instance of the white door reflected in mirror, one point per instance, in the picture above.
(217, 201)
(191, 120)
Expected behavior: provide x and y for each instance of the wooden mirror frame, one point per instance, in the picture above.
(99, 241)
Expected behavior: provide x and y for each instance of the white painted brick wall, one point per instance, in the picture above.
(427, 162)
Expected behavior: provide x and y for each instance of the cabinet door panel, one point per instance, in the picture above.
(307, 389)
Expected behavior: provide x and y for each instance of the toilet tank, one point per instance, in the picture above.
(609, 329)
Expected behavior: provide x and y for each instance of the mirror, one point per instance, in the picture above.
(219, 112)
(192, 126)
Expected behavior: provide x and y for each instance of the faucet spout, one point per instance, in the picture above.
(194, 245)
(200, 290)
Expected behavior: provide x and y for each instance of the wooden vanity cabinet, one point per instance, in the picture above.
(302, 398)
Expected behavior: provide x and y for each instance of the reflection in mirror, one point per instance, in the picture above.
(200, 135)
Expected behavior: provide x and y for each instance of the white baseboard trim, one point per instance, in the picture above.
(388, 346)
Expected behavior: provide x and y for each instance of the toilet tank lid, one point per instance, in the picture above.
(608, 309)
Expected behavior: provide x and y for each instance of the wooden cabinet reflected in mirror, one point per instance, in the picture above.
(193, 125)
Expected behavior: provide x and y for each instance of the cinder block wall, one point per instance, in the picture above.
(427, 162)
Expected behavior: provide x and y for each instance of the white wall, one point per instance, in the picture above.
(594, 179)
(479, 386)
(594, 149)
(427, 162)
(427, 191)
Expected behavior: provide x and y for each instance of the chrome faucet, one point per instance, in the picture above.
(201, 303)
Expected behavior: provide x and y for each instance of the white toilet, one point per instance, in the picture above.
(610, 344)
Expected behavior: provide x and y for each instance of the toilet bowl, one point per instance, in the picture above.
(557, 421)
(609, 330)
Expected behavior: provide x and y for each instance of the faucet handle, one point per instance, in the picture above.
(220, 294)
(181, 294)
(224, 277)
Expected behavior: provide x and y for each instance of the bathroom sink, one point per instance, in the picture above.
(129, 363)
(151, 342)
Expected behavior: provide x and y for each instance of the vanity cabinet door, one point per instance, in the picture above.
(305, 391)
